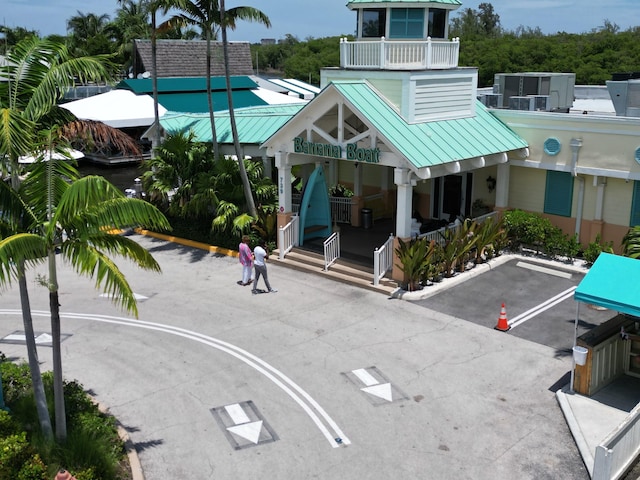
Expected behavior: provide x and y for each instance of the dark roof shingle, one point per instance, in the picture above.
(188, 58)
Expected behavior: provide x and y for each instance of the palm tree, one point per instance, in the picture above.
(206, 15)
(78, 219)
(35, 77)
(228, 20)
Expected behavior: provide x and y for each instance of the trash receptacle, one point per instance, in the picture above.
(367, 217)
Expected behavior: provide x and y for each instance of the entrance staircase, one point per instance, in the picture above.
(341, 271)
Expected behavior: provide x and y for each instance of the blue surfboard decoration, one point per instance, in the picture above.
(315, 209)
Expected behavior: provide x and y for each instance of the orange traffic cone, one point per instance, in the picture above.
(64, 475)
(502, 325)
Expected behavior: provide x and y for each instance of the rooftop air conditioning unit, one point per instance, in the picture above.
(542, 103)
(521, 103)
(491, 100)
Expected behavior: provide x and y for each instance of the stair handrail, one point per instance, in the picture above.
(382, 260)
(331, 250)
(288, 236)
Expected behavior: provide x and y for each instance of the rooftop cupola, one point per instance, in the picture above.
(401, 35)
(403, 19)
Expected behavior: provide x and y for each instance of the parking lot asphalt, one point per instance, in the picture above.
(320, 380)
(538, 299)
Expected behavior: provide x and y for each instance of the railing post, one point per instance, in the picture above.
(383, 53)
(281, 243)
(429, 54)
(343, 52)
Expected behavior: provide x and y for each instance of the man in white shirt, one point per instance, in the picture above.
(260, 254)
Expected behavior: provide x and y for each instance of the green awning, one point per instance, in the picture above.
(612, 283)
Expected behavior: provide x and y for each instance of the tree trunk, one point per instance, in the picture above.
(214, 137)
(248, 194)
(27, 322)
(154, 82)
(58, 385)
(32, 355)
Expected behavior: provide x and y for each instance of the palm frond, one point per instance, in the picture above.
(17, 248)
(91, 262)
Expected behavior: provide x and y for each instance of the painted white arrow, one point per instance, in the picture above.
(42, 338)
(382, 391)
(249, 431)
(21, 337)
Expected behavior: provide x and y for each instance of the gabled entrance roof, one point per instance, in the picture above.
(427, 148)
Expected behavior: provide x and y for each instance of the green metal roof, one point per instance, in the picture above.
(197, 102)
(254, 124)
(186, 84)
(189, 94)
(430, 143)
(352, 3)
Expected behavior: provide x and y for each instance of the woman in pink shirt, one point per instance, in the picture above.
(246, 260)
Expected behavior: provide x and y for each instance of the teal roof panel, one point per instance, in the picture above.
(254, 124)
(186, 84)
(431, 143)
(196, 102)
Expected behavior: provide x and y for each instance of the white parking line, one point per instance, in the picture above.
(540, 268)
(302, 398)
(538, 309)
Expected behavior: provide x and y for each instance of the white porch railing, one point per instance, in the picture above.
(399, 54)
(619, 449)
(340, 207)
(331, 250)
(382, 260)
(436, 235)
(288, 236)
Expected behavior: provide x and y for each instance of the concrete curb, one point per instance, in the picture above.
(481, 268)
(188, 243)
(132, 453)
(574, 427)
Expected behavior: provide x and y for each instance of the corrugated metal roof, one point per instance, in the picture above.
(254, 124)
(431, 143)
(351, 3)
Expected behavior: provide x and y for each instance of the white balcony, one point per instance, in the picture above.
(399, 54)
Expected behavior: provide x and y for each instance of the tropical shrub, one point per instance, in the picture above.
(631, 242)
(92, 451)
(486, 234)
(531, 229)
(414, 257)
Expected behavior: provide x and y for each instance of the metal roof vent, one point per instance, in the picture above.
(552, 146)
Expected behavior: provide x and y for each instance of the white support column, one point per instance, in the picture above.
(402, 179)
(502, 186)
(284, 182)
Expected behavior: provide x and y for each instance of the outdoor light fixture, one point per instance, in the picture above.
(491, 183)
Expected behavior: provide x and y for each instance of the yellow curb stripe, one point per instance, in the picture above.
(188, 243)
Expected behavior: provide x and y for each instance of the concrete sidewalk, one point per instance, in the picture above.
(592, 419)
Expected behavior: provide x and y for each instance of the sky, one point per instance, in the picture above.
(324, 18)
